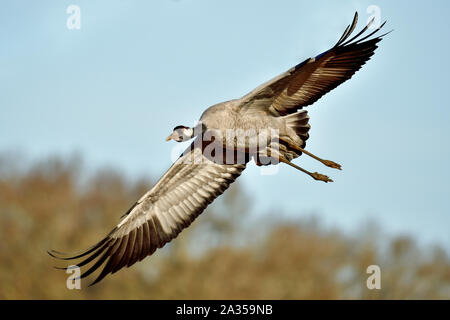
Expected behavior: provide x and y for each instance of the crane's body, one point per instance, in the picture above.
(271, 117)
(256, 132)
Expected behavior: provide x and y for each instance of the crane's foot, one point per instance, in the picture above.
(321, 177)
(332, 164)
(328, 163)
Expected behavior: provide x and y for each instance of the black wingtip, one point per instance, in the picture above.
(371, 34)
(66, 268)
(60, 268)
(59, 255)
(385, 34)
(349, 30)
(55, 254)
(71, 256)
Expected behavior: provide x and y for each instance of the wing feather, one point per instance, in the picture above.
(138, 244)
(308, 81)
(161, 214)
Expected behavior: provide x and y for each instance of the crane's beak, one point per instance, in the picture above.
(169, 137)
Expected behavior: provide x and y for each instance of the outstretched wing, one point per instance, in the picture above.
(305, 83)
(184, 191)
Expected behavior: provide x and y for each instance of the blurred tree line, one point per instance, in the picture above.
(225, 254)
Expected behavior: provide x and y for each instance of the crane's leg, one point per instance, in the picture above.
(314, 175)
(328, 163)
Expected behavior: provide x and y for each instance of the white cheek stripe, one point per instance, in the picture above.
(188, 132)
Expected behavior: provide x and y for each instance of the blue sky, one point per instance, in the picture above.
(114, 89)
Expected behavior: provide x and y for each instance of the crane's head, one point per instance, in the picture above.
(181, 133)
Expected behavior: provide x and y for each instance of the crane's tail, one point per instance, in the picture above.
(299, 122)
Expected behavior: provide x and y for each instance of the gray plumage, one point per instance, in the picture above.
(195, 180)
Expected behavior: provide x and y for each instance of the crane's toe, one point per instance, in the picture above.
(332, 164)
(321, 177)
